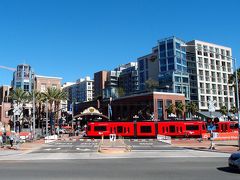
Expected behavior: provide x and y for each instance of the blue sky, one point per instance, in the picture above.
(75, 38)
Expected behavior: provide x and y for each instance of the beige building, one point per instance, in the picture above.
(44, 82)
(5, 106)
(210, 66)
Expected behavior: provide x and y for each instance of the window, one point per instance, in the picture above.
(163, 68)
(162, 47)
(192, 127)
(172, 129)
(178, 46)
(146, 129)
(170, 53)
(141, 65)
(160, 109)
(170, 45)
(43, 87)
(171, 67)
(170, 60)
(146, 63)
(119, 129)
(163, 61)
(100, 128)
(185, 80)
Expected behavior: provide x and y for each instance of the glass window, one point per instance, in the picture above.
(172, 129)
(179, 67)
(141, 65)
(119, 129)
(178, 46)
(179, 60)
(170, 45)
(163, 68)
(162, 47)
(171, 67)
(146, 63)
(192, 127)
(177, 79)
(162, 54)
(142, 77)
(146, 129)
(185, 79)
(170, 53)
(100, 128)
(160, 109)
(163, 61)
(170, 60)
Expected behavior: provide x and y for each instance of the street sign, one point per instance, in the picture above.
(112, 137)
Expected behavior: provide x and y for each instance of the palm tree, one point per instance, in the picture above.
(60, 96)
(223, 110)
(179, 109)
(170, 109)
(54, 97)
(233, 110)
(192, 108)
(19, 96)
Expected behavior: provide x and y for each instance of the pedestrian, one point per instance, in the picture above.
(11, 141)
(1, 141)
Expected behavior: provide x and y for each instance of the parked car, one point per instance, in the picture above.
(234, 161)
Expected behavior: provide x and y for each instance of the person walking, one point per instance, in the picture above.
(1, 141)
(11, 140)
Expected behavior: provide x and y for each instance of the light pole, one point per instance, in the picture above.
(236, 79)
(34, 108)
(47, 117)
(237, 98)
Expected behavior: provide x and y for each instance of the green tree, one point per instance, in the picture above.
(170, 109)
(192, 108)
(179, 109)
(223, 110)
(19, 96)
(151, 84)
(233, 110)
(120, 91)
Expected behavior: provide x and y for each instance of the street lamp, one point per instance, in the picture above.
(34, 108)
(236, 79)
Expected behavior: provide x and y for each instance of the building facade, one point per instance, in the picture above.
(100, 79)
(23, 78)
(173, 73)
(148, 68)
(44, 82)
(128, 78)
(210, 66)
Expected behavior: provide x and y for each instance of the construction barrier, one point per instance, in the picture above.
(221, 136)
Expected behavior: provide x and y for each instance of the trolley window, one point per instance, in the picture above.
(100, 128)
(172, 129)
(163, 129)
(146, 129)
(192, 127)
(89, 128)
(119, 129)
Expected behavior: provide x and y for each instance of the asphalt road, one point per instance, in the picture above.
(119, 169)
(88, 146)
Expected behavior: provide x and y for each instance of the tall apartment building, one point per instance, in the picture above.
(173, 73)
(5, 106)
(148, 68)
(100, 79)
(209, 69)
(23, 78)
(44, 82)
(111, 85)
(128, 78)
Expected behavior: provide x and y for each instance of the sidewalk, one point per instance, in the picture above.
(23, 147)
(220, 146)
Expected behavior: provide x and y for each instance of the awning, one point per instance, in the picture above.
(207, 114)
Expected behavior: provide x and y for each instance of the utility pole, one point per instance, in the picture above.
(34, 110)
(47, 118)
